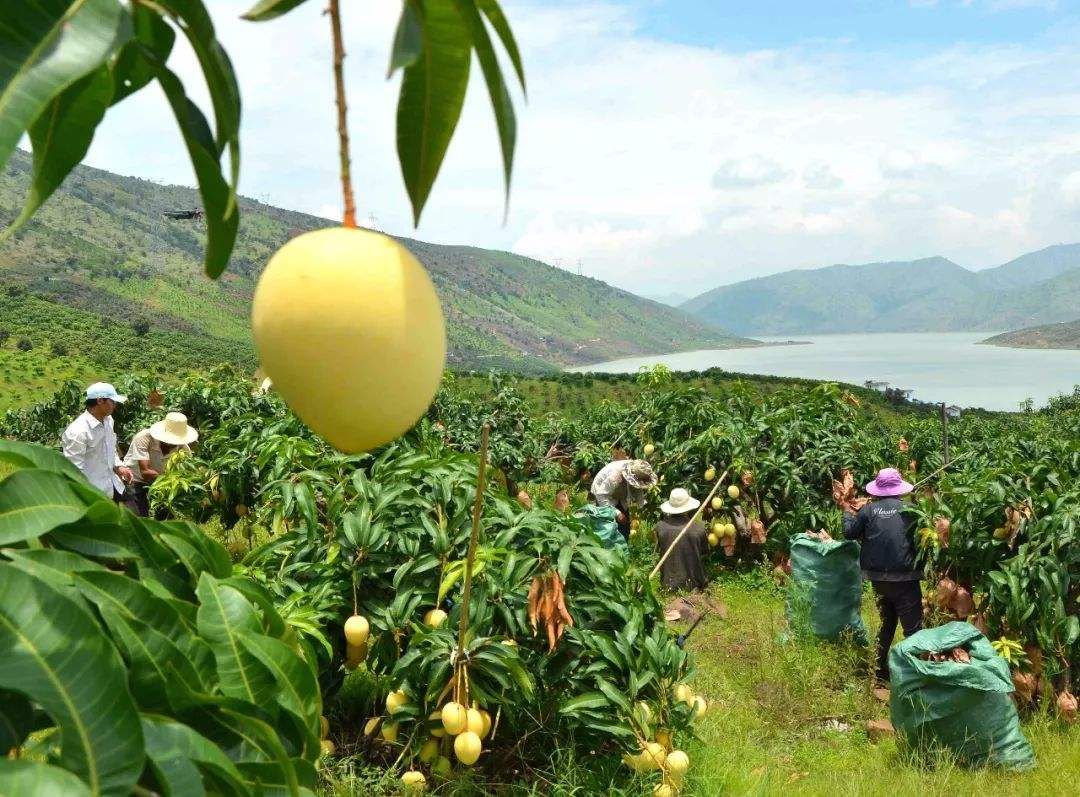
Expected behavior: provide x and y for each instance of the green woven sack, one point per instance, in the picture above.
(825, 594)
(964, 708)
(601, 519)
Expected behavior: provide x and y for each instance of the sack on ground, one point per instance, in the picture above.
(601, 519)
(825, 593)
(963, 707)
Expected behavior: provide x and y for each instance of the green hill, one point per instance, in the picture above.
(1065, 335)
(101, 257)
(929, 295)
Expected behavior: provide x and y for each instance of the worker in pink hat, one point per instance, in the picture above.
(885, 530)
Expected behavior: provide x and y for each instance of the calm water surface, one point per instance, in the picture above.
(948, 367)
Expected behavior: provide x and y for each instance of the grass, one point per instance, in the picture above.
(785, 718)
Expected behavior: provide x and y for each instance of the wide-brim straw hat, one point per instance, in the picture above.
(679, 503)
(639, 474)
(889, 484)
(174, 430)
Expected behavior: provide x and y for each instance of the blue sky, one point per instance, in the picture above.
(673, 145)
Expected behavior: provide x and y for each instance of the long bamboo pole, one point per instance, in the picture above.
(689, 523)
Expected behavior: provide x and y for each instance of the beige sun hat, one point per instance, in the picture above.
(174, 430)
(679, 503)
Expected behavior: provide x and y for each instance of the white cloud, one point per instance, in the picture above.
(623, 137)
(753, 170)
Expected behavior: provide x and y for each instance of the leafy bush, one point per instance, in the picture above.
(132, 654)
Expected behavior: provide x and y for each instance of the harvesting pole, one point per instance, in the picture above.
(945, 433)
(689, 523)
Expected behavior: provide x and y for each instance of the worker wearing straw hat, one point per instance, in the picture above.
(149, 451)
(684, 567)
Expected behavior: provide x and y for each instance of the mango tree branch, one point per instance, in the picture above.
(349, 218)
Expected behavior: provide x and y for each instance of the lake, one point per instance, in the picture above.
(950, 366)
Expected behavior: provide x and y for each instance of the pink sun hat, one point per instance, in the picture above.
(888, 484)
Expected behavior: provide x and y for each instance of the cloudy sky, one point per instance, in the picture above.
(671, 147)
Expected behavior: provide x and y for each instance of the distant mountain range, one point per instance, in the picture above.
(929, 295)
(103, 248)
(1065, 335)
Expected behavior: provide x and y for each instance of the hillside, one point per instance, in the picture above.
(1065, 335)
(101, 254)
(928, 295)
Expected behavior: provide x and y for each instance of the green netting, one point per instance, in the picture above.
(825, 594)
(963, 708)
(601, 519)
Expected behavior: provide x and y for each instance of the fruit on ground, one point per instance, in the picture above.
(684, 694)
(700, 706)
(370, 725)
(732, 492)
(442, 768)
(1067, 707)
(467, 748)
(454, 718)
(429, 751)
(663, 736)
(395, 700)
(654, 756)
(663, 790)
(435, 618)
(717, 503)
(474, 721)
(357, 630)
(710, 474)
(390, 731)
(324, 727)
(635, 524)
(486, 729)
(413, 781)
(649, 449)
(435, 720)
(349, 328)
(326, 747)
(713, 539)
(677, 763)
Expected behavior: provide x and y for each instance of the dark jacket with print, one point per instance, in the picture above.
(885, 529)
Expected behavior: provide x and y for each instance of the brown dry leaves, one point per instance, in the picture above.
(547, 608)
(843, 493)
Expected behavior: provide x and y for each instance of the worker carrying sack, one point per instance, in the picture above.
(601, 519)
(825, 594)
(962, 703)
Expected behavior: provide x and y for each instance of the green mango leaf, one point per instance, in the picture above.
(585, 701)
(501, 104)
(408, 39)
(501, 26)
(70, 668)
(222, 217)
(31, 455)
(48, 45)
(179, 755)
(298, 689)
(224, 614)
(431, 98)
(62, 134)
(101, 532)
(35, 779)
(269, 9)
(33, 502)
(133, 70)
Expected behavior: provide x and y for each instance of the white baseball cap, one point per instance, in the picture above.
(103, 390)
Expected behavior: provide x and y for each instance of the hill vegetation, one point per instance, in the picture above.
(929, 295)
(101, 253)
(1065, 335)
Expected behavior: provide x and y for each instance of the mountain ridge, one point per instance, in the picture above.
(930, 294)
(102, 246)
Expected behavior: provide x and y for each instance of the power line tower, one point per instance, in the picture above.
(372, 221)
(579, 266)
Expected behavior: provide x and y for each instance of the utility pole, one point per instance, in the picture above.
(945, 432)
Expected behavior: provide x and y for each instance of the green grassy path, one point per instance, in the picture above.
(767, 731)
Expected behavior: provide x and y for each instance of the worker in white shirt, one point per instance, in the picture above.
(90, 442)
(150, 449)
